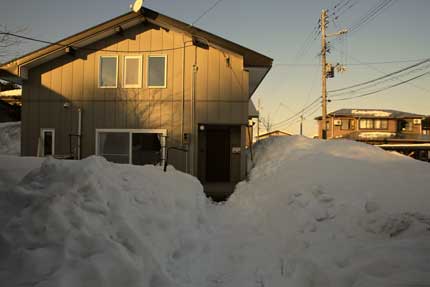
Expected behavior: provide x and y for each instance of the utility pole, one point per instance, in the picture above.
(325, 68)
(258, 120)
(301, 125)
(323, 23)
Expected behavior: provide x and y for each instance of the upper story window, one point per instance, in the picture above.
(348, 124)
(132, 72)
(377, 124)
(108, 72)
(157, 70)
(381, 124)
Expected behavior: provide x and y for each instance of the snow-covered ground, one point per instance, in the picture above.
(313, 213)
(10, 138)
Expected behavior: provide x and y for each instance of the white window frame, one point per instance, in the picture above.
(139, 85)
(42, 136)
(165, 71)
(130, 132)
(100, 70)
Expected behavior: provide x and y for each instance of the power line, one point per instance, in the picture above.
(94, 49)
(315, 101)
(372, 14)
(355, 64)
(382, 89)
(206, 12)
(383, 73)
(380, 78)
(379, 83)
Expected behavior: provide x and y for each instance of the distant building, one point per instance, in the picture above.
(404, 132)
(276, 133)
(9, 113)
(372, 124)
(12, 97)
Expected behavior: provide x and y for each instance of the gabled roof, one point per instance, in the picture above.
(252, 59)
(276, 132)
(372, 113)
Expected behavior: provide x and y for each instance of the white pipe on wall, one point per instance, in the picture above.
(79, 133)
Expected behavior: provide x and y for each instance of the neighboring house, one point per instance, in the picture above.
(276, 133)
(138, 88)
(426, 126)
(12, 97)
(372, 125)
(9, 113)
(403, 132)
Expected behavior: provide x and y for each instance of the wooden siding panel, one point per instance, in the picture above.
(225, 78)
(236, 82)
(176, 66)
(213, 74)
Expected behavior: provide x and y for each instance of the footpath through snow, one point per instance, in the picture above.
(313, 213)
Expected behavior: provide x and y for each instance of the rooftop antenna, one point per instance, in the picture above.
(136, 6)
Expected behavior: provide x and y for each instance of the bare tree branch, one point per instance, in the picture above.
(267, 123)
(9, 45)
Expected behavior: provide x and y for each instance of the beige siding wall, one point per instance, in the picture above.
(221, 91)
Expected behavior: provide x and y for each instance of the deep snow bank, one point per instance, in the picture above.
(335, 213)
(93, 223)
(313, 213)
(10, 138)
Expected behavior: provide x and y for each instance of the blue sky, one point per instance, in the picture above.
(277, 28)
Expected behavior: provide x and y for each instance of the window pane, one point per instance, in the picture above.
(362, 124)
(384, 124)
(108, 71)
(47, 143)
(146, 149)
(132, 71)
(115, 146)
(156, 71)
(352, 124)
(377, 124)
(345, 124)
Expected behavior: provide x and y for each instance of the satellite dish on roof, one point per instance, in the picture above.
(137, 5)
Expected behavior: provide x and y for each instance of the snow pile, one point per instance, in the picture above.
(372, 113)
(10, 138)
(335, 213)
(313, 213)
(93, 223)
(376, 135)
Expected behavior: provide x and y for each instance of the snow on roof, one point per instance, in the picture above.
(11, 93)
(373, 113)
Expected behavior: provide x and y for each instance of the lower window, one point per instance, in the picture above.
(137, 147)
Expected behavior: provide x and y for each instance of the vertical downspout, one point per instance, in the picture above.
(183, 103)
(332, 127)
(79, 133)
(193, 110)
(183, 92)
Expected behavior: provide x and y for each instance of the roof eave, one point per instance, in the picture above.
(251, 58)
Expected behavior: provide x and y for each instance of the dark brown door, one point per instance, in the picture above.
(218, 155)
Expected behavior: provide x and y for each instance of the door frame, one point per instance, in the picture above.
(42, 136)
(202, 146)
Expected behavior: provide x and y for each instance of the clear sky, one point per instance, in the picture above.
(277, 28)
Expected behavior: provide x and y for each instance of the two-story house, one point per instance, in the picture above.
(139, 89)
(372, 124)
